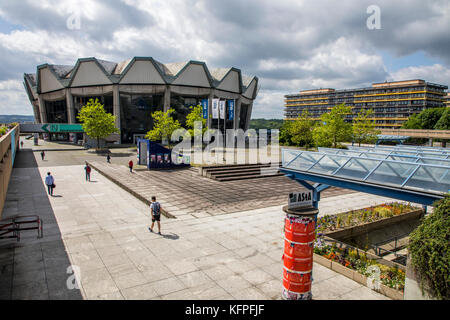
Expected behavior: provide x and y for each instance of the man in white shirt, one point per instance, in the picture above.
(50, 182)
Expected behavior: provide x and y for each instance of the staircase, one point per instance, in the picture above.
(234, 172)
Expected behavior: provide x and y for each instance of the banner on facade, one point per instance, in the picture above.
(205, 108)
(230, 105)
(215, 108)
(222, 109)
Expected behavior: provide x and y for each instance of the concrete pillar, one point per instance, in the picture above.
(42, 110)
(116, 108)
(299, 233)
(70, 114)
(37, 117)
(167, 96)
(444, 144)
(70, 107)
(430, 142)
(249, 114)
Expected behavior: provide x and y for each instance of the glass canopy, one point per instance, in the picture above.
(401, 171)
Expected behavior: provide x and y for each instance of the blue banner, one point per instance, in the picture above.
(230, 105)
(205, 108)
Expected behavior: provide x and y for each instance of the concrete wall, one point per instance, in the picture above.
(9, 144)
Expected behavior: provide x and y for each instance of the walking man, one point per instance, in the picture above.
(130, 165)
(21, 144)
(87, 168)
(50, 182)
(155, 208)
(108, 159)
(42, 155)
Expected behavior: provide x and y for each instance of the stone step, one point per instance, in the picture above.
(243, 173)
(225, 166)
(243, 177)
(240, 171)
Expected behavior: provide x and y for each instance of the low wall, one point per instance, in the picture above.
(350, 232)
(9, 144)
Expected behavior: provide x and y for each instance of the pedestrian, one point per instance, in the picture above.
(108, 158)
(21, 144)
(42, 155)
(130, 165)
(87, 168)
(50, 182)
(155, 208)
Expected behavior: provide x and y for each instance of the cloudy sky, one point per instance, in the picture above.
(290, 45)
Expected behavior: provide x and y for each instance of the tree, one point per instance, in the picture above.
(301, 130)
(444, 121)
(333, 129)
(163, 126)
(96, 122)
(195, 115)
(285, 132)
(364, 128)
(413, 122)
(426, 119)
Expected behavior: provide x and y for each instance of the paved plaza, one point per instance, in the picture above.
(103, 230)
(186, 194)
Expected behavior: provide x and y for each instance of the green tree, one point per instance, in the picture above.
(96, 122)
(413, 122)
(196, 114)
(444, 121)
(333, 128)
(301, 130)
(364, 127)
(163, 126)
(285, 133)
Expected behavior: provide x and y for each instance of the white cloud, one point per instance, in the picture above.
(13, 98)
(436, 73)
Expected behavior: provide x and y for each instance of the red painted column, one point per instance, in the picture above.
(299, 236)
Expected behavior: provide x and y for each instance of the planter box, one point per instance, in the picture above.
(322, 260)
(339, 268)
(356, 276)
(349, 232)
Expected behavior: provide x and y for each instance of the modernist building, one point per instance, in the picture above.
(392, 102)
(447, 100)
(133, 89)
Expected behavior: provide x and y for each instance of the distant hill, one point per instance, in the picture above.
(8, 118)
(266, 123)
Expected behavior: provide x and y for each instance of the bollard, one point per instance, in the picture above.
(299, 236)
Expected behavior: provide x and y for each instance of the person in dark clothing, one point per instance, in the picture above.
(155, 208)
(87, 168)
(42, 155)
(130, 165)
(108, 158)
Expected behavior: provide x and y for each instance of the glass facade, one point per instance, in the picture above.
(56, 111)
(135, 114)
(182, 106)
(79, 102)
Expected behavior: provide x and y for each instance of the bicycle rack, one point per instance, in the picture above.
(12, 227)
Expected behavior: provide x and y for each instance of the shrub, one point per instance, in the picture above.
(429, 250)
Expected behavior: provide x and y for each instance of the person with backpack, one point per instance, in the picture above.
(87, 168)
(50, 182)
(155, 208)
(130, 165)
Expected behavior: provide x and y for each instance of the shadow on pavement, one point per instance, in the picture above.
(172, 236)
(37, 269)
